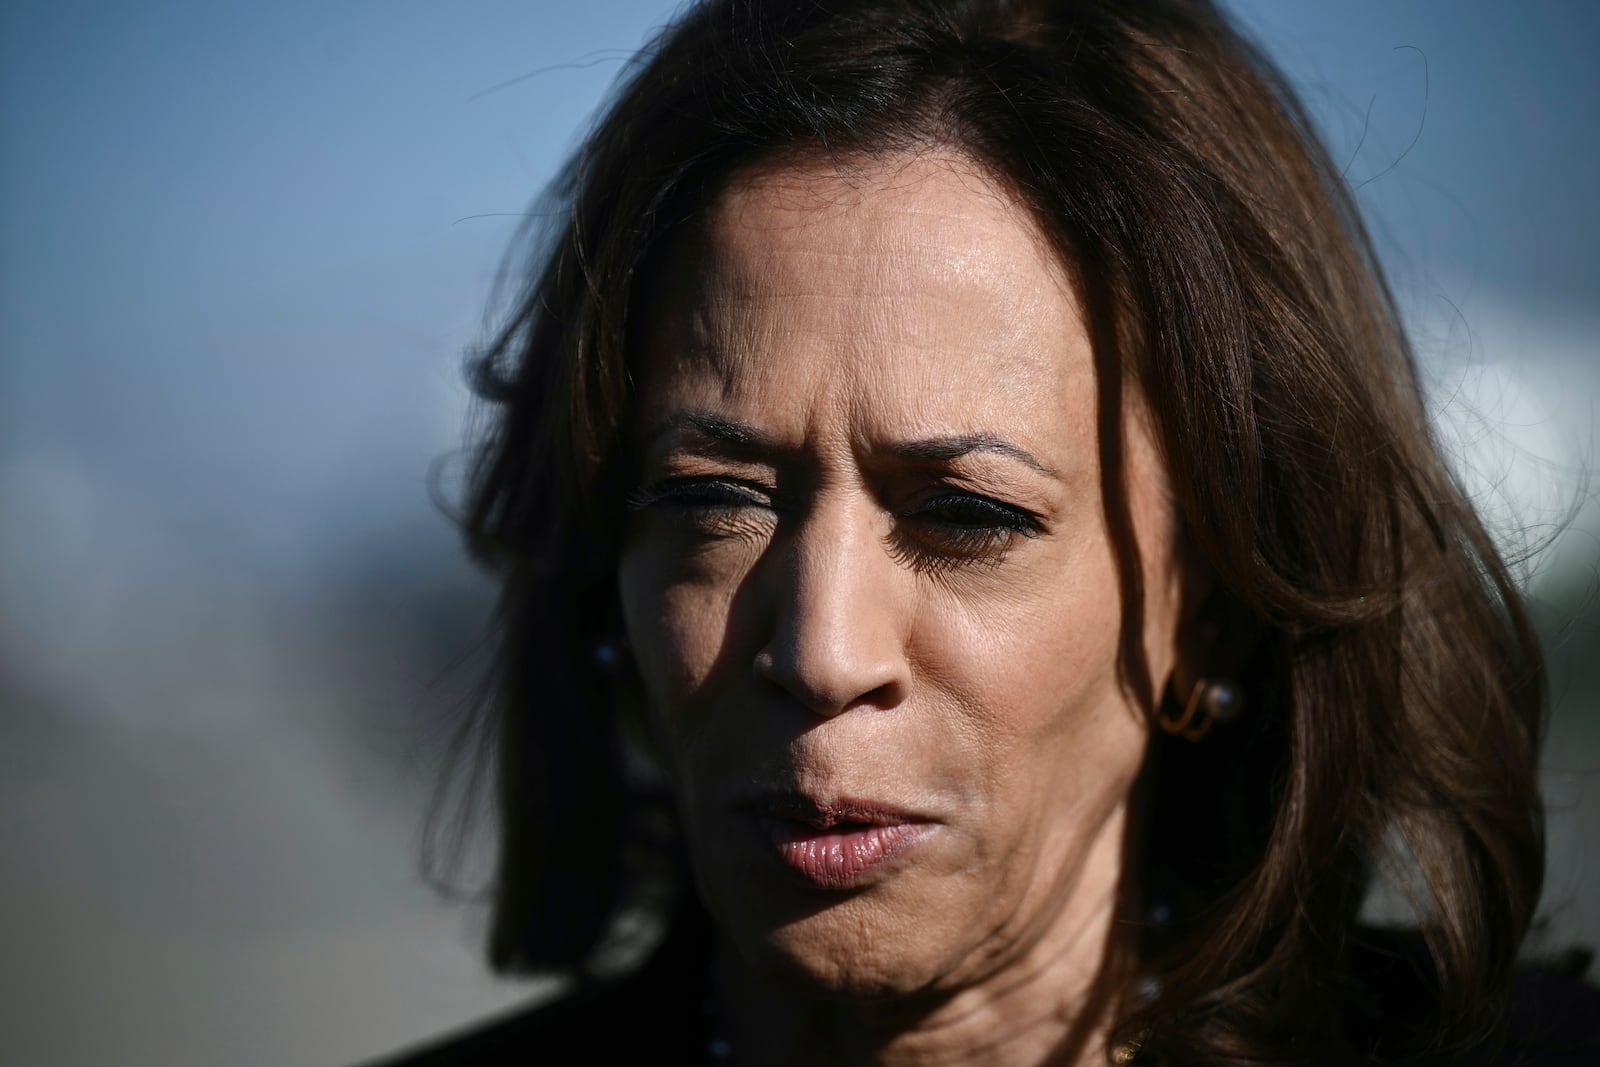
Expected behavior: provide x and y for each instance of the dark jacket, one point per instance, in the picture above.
(659, 1014)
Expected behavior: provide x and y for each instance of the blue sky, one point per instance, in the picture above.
(243, 248)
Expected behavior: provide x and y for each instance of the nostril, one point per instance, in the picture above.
(833, 687)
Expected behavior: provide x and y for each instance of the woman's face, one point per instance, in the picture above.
(869, 585)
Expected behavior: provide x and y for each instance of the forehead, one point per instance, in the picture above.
(912, 293)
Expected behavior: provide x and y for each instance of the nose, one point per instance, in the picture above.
(838, 632)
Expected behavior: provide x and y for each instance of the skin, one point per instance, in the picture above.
(827, 605)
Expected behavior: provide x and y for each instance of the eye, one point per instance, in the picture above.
(953, 528)
(710, 505)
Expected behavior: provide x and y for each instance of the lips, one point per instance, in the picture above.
(835, 845)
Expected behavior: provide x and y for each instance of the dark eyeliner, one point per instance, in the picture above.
(981, 513)
(956, 529)
(695, 492)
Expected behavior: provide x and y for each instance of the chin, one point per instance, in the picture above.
(852, 949)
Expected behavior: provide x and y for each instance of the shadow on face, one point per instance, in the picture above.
(872, 581)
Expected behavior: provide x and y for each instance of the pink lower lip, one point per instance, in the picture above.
(839, 857)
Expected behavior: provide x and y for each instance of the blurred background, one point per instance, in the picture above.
(243, 250)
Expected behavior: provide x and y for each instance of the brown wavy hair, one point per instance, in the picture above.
(1395, 685)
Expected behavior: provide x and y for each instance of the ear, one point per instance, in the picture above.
(1216, 635)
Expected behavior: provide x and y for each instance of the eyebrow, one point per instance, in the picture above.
(942, 448)
(716, 427)
(954, 446)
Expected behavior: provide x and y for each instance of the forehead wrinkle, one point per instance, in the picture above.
(890, 268)
(753, 259)
(742, 308)
(883, 249)
(804, 191)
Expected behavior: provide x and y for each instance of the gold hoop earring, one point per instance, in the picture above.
(1209, 703)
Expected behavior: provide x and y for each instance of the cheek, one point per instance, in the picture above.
(1033, 669)
(1044, 687)
(677, 623)
(1051, 627)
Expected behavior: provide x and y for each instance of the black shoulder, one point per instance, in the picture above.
(655, 1015)
(1553, 1020)
(1552, 1017)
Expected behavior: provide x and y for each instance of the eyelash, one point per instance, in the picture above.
(947, 530)
(961, 528)
(693, 494)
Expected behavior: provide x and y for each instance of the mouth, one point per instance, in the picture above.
(840, 844)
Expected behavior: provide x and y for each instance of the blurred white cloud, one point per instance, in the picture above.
(1512, 392)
